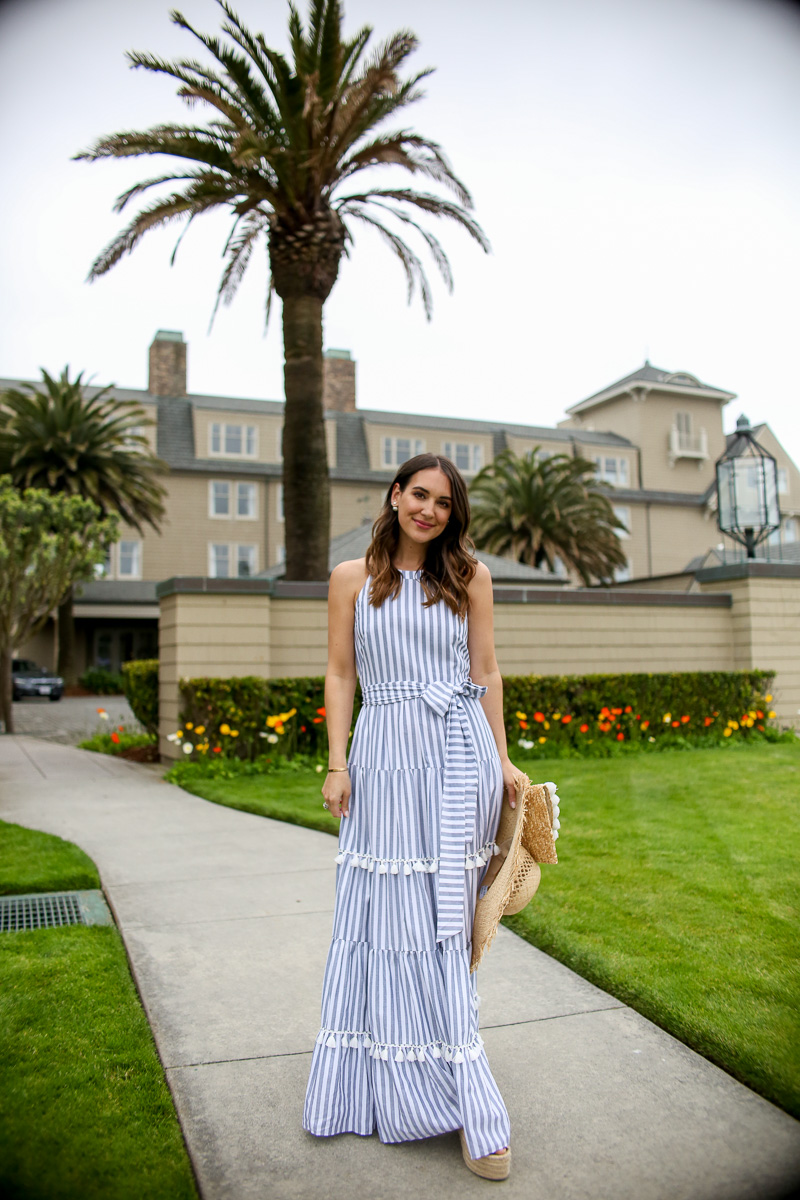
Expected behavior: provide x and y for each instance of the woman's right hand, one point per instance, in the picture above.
(336, 790)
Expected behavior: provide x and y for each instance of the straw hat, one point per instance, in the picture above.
(526, 836)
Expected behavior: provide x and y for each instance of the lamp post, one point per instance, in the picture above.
(747, 490)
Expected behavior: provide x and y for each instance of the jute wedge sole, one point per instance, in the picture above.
(491, 1166)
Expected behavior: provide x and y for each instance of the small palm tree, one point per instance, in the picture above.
(281, 149)
(59, 437)
(539, 507)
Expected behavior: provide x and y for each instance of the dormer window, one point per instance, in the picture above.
(612, 469)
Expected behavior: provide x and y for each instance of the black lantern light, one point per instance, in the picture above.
(747, 490)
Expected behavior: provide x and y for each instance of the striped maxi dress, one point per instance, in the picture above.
(398, 1047)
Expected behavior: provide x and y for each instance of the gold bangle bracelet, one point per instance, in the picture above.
(338, 769)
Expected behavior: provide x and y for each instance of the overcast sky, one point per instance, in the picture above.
(634, 163)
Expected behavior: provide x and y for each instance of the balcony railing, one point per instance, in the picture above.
(687, 445)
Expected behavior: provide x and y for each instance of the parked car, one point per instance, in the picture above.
(28, 679)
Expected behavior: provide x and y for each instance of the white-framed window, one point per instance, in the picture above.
(787, 533)
(611, 469)
(245, 561)
(783, 481)
(397, 449)
(279, 503)
(468, 456)
(683, 423)
(219, 560)
(623, 513)
(219, 498)
(129, 442)
(129, 560)
(623, 574)
(228, 440)
(246, 501)
(281, 554)
(103, 570)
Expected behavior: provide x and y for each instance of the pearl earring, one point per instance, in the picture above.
(394, 506)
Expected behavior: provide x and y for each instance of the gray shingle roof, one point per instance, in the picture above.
(647, 373)
(354, 544)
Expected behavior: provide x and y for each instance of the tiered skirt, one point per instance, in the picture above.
(399, 1048)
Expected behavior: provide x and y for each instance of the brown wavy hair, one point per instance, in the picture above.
(450, 563)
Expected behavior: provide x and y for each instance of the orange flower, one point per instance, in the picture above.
(121, 728)
(115, 737)
(604, 728)
(321, 711)
(761, 727)
(708, 721)
(584, 728)
(604, 712)
(616, 711)
(620, 736)
(759, 714)
(302, 728)
(523, 724)
(644, 725)
(685, 719)
(218, 749)
(675, 724)
(628, 708)
(638, 717)
(538, 716)
(566, 719)
(316, 720)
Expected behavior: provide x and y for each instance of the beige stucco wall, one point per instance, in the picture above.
(765, 623)
(215, 635)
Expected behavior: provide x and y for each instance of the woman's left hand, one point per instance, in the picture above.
(510, 776)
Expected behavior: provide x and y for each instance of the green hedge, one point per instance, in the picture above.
(102, 681)
(561, 714)
(141, 691)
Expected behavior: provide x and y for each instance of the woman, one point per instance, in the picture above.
(420, 799)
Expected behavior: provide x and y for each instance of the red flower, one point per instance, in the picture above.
(566, 720)
(538, 716)
(708, 721)
(523, 724)
(115, 737)
(759, 714)
(604, 728)
(302, 728)
(620, 736)
(685, 719)
(584, 728)
(316, 720)
(616, 711)
(121, 728)
(638, 717)
(218, 749)
(675, 724)
(321, 711)
(628, 708)
(604, 712)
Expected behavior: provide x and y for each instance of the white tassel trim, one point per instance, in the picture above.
(349, 1040)
(394, 866)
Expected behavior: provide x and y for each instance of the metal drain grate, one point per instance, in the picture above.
(44, 910)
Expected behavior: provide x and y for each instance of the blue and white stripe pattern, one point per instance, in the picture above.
(398, 1046)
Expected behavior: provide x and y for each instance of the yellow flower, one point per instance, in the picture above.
(225, 728)
(727, 732)
(189, 725)
(521, 716)
(752, 713)
(547, 724)
(667, 717)
(542, 741)
(733, 724)
(200, 729)
(768, 698)
(556, 717)
(179, 734)
(771, 715)
(234, 733)
(279, 729)
(272, 722)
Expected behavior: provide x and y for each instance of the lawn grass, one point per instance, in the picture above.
(676, 891)
(85, 1110)
(40, 862)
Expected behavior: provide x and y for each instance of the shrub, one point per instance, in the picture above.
(141, 691)
(586, 715)
(102, 682)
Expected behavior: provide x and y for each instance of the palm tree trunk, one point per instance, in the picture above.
(66, 641)
(306, 497)
(6, 709)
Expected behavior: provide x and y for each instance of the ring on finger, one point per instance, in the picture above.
(326, 805)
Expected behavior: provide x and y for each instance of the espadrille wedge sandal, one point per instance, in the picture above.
(491, 1166)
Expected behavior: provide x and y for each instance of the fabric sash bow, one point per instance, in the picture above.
(459, 795)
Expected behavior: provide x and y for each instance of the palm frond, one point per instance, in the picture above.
(435, 205)
(415, 273)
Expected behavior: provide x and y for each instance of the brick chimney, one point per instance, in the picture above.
(167, 364)
(339, 381)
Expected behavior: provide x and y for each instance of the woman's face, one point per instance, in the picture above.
(423, 509)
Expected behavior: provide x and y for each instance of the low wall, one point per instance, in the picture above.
(743, 616)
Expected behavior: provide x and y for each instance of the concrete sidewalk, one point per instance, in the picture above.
(226, 918)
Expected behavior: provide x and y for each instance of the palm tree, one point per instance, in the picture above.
(281, 149)
(538, 507)
(60, 438)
